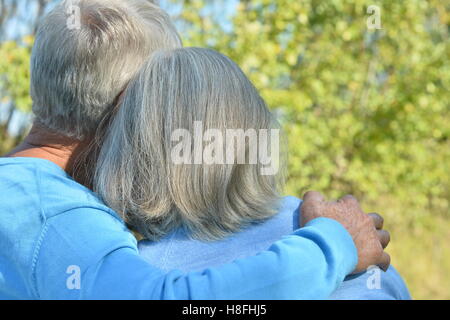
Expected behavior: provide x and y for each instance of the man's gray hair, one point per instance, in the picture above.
(136, 175)
(78, 73)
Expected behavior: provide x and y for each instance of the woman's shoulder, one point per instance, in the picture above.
(288, 212)
(180, 252)
(290, 203)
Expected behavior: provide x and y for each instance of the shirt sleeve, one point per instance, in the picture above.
(87, 253)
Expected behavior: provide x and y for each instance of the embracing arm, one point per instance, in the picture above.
(309, 264)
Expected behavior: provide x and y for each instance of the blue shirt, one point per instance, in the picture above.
(177, 251)
(59, 241)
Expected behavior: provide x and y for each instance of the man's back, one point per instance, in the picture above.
(33, 192)
(177, 251)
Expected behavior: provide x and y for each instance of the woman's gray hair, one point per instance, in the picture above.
(85, 53)
(136, 175)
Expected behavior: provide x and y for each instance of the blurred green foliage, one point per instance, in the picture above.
(14, 87)
(366, 111)
(15, 73)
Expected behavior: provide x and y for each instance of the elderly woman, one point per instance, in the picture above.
(192, 161)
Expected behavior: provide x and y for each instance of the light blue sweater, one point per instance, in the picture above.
(177, 251)
(58, 241)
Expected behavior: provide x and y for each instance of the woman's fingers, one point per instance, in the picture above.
(378, 220)
(384, 237)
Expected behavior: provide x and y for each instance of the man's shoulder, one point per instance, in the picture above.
(42, 185)
(40, 208)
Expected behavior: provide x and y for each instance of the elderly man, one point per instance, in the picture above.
(59, 241)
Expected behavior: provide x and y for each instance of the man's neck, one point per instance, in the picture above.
(44, 144)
